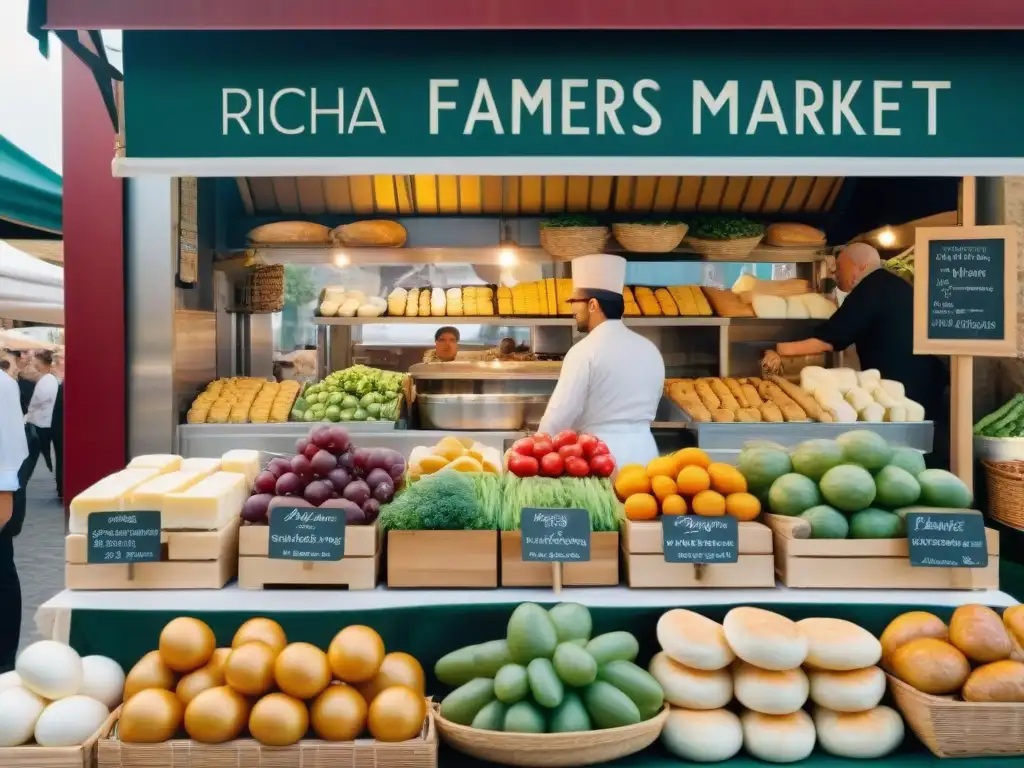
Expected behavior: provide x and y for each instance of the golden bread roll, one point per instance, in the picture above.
(931, 666)
(790, 234)
(806, 401)
(998, 681)
(1013, 620)
(748, 414)
(290, 232)
(736, 391)
(910, 626)
(722, 415)
(706, 394)
(771, 412)
(979, 633)
(370, 234)
(750, 395)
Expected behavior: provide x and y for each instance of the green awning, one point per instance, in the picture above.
(30, 195)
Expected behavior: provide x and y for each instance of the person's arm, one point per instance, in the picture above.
(566, 404)
(839, 331)
(13, 443)
(43, 399)
(805, 347)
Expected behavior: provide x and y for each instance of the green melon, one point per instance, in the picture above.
(895, 487)
(940, 488)
(848, 487)
(908, 459)
(866, 448)
(762, 466)
(826, 522)
(874, 523)
(791, 494)
(813, 458)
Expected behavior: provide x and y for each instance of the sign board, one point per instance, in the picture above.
(555, 535)
(695, 539)
(307, 533)
(965, 291)
(123, 537)
(947, 539)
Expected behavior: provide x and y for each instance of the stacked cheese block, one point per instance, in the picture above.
(783, 299)
(467, 301)
(772, 666)
(336, 301)
(673, 301)
(548, 297)
(243, 400)
(848, 395)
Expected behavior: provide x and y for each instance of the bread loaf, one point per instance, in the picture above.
(708, 736)
(931, 666)
(765, 639)
(691, 688)
(778, 738)
(910, 626)
(283, 232)
(376, 233)
(791, 234)
(839, 645)
(855, 691)
(693, 640)
(1013, 620)
(864, 735)
(998, 681)
(979, 633)
(772, 693)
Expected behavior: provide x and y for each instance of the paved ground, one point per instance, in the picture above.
(39, 550)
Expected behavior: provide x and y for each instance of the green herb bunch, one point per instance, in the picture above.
(590, 493)
(724, 228)
(569, 220)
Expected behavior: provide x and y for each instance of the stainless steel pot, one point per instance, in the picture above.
(478, 412)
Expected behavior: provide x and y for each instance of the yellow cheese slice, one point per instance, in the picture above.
(106, 495)
(165, 462)
(206, 466)
(242, 460)
(208, 505)
(150, 495)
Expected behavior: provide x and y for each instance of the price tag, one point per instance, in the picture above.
(555, 535)
(695, 539)
(966, 289)
(947, 539)
(123, 537)
(307, 533)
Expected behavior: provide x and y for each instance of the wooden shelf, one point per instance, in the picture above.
(521, 322)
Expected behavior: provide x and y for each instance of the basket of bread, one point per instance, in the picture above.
(747, 399)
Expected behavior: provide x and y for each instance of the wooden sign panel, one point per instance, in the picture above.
(965, 291)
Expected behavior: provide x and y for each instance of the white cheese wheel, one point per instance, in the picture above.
(770, 692)
(839, 645)
(70, 722)
(796, 309)
(9, 680)
(765, 639)
(778, 738)
(691, 688)
(694, 640)
(768, 306)
(855, 691)
(862, 735)
(51, 669)
(103, 680)
(19, 711)
(707, 736)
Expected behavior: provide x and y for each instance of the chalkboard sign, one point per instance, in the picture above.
(123, 537)
(555, 535)
(695, 539)
(307, 533)
(947, 539)
(965, 291)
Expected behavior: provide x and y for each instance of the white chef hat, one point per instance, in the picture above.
(598, 272)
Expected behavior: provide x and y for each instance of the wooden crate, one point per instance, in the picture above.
(644, 555)
(34, 756)
(601, 571)
(358, 569)
(189, 560)
(420, 752)
(866, 563)
(429, 559)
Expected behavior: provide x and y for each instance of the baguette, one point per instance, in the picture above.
(750, 394)
(694, 408)
(764, 389)
(725, 397)
(736, 391)
(722, 416)
(793, 412)
(771, 412)
(707, 395)
(800, 397)
(748, 414)
(777, 396)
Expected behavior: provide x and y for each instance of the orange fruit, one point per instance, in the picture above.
(673, 505)
(664, 466)
(631, 482)
(709, 504)
(742, 506)
(726, 479)
(692, 457)
(662, 487)
(641, 506)
(692, 480)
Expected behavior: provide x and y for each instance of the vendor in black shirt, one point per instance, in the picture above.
(878, 317)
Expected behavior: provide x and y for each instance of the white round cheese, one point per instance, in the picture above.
(51, 669)
(103, 680)
(70, 721)
(19, 711)
(10, 680)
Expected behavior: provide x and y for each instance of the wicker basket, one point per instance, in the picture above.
(1005, 482)
(34, 756)
(552, 750)
(951, 728)
(569, 242)
(649, 238)
(737, 248)
(264, 290)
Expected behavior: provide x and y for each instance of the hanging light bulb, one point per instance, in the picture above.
(341, 259)
(887, 238)
(507, 250)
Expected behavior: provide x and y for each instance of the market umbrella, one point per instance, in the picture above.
(19, 342)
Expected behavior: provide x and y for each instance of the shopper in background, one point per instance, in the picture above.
(26, 376)
(40, 407)
(13, 452)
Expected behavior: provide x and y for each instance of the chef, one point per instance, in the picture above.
(612, 381)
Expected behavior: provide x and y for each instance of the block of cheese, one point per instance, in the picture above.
(208, 466)
(106, 495)
(165, 462)
(208, 505)
(241, 460)
(150, 495)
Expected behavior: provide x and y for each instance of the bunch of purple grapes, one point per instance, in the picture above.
(327, 470)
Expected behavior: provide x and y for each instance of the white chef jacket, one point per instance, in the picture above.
(13, 445)
(610, 385)
(44, 397)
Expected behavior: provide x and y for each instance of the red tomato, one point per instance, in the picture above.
(540, 437)
(602, 465)
(542, 448)
(567, 451)
(523, 447)
(601, 449)
(552, 465)
(522, 466)
(587, 442)
(576, 466)
(567, 437)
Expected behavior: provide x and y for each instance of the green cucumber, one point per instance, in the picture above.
(456, 668)
(465, 702)
(491, 717)
(609, 707)
(574, 665)
(545, 685)
(637, 683)
(570, 715)
(524, 717)
(511, 683)
(572, 621)
(531, 634)
(613, 646)
(489, 657)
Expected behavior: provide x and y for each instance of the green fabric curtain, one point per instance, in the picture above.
(30, 194)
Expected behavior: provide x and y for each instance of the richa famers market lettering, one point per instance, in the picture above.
(583, 107)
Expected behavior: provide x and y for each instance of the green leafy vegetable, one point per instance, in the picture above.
(1007, 421)
(724, 228)
(570, 220)
(655, 223)
(446, 501)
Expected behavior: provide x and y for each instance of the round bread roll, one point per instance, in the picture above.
(910, 626)
(998, 681)
(765, 639)
(857, 690)
(1013, 620)
(771, 692)
(839, 645)
(778, 738)
(693, 640)
(691, 688)
(706, 736)
(979, 633)
(290, 232)
(931, 666)
(864, 735)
